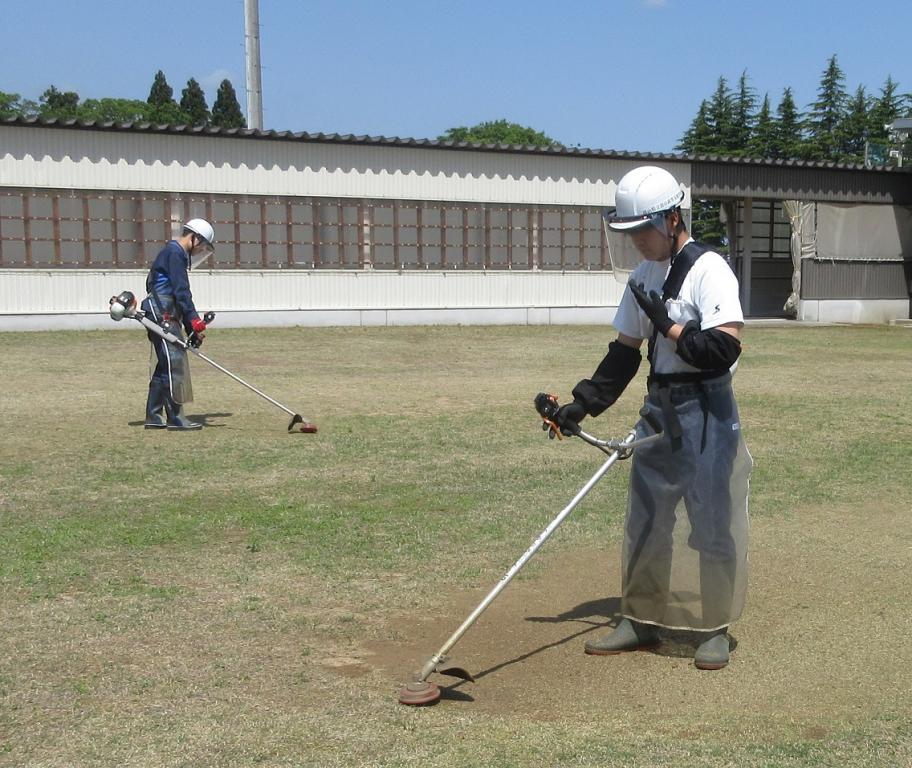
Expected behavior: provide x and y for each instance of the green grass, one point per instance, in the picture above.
(175, 599)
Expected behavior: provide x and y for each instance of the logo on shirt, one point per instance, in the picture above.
(716, 310)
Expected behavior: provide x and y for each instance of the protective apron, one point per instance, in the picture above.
(685, 546)
(169, 364)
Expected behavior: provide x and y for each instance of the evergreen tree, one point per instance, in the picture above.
(743, 116)
(827, 113)
(193, 103)
(852, 132)
(787, 133)
(887, 107)
(226, 112)
(706, 224)
(58, 104)
(161, 93)
(163, 109)
(721, 119)
(499, 132)
(884, 110)
(762, 141)
(709, 133)
(9, 105)
(699, 138)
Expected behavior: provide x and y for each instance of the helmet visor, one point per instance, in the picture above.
(624, 255)
(201, 253)
(620, 235)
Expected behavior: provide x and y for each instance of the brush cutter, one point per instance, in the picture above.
(421, 691)
(124, 305)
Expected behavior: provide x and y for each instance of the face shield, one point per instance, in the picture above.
(200, 253)
(623, 234)
(619, 234)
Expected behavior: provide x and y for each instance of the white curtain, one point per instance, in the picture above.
(803, 245)
(863, 232)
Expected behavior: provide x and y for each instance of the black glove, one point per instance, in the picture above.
(653, 306)
(569, 416)
(195, 339)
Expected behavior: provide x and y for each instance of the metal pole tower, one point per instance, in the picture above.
(252, 49)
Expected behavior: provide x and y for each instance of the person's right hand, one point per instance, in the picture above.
(569, 416)
(199, 332)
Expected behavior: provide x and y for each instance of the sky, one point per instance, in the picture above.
(624, 75)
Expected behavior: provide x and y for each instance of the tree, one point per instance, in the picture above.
(721, 118)
(226, 112)
(57, 104)
(827, 113)
(702, 138)
(706, 224)
(9, 105)
(788, 136)
(699, 138)
(762, 142)
(161, 93)
(193, 103)
(743, 115)
(852, 132)
(163, 109)
(499, 132)
(114, 110)
(884, 110)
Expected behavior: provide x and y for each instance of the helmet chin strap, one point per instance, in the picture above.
(671, 242)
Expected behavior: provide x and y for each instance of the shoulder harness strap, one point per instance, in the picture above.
(681, 264)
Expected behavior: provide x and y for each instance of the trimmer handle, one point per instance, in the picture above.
(208, 318)
(547, 407)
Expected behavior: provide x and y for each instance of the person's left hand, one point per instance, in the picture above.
(653, 306)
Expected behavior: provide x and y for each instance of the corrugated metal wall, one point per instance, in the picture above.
(85, 159)
(793, 181)
(30, 299)
(454, 228)
(855, 279)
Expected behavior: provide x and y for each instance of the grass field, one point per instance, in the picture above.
(239, 596)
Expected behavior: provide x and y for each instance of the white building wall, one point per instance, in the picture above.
(71, 158)
(97, 159)
(48, 299)
(862, 311)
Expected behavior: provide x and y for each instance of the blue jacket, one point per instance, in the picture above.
(168, 277)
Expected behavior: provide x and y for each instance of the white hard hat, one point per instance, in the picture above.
(202, 228)
(641, 194)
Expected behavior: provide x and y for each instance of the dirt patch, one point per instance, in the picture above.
(823, 636)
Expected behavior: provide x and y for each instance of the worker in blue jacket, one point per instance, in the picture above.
(170, 304)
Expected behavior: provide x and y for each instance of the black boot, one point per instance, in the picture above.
(176, 418)
(155, 405)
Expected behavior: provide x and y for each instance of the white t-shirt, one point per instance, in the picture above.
(709, 295)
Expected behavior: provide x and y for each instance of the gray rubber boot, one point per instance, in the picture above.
(627, 636)
(155, 406)
(713, 653)
(176, 418)
(716, 595)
